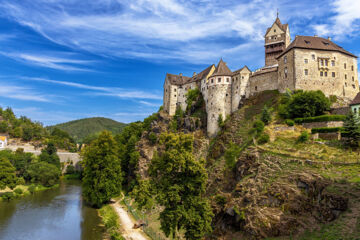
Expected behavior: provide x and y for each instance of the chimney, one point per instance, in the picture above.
(194, 74)
(180, 74)
(315, 35)
(329, 38)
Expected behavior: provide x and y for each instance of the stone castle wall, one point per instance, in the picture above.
(240, 82)
(263, 81)
(218, 102)
(181, 101)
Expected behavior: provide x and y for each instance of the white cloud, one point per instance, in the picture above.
(59, 63)
(103, 91)
(22, 93)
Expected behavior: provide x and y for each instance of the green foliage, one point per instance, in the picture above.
(111, 222)
(263, 138)
(18, 191)
(70, 169)
(127, 152)
(43, 173)
(352, 129)
(180, 180)
(143, 194)
(49, 155)
(191, 97)
(80, 129)
(8, 196)
(322, 118)
(333, 98)
(62, 139)
(289, 122)
(265, 115)
(32, 188)
(307, 104)
(4, 127)
(221, 121)
(220, 200)
(102, 170)
(258, 127)
(19, 159)
(231, 155)
(7, 174)
(304, 137)
(152, 138)
(147, 121)
(326, 130)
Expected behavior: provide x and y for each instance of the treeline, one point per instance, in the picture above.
(27, 130)
(19, 168)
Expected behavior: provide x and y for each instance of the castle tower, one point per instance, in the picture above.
(277, 39)
(218, 97)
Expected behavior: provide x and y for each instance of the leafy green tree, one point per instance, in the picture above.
(43, 173)
(102, 170)
(179, 181)
(4, 127)
(49, 155)
(21, 160)
(352, 129)
(143, 194)
(7, 174)
(265, 115)
(307, 104)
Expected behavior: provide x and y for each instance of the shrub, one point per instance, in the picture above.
(231, 155)
(265, 115)
(258, 126)
(307, 104)
(326, 130)
(289, 122)
(18, 191)
(152, 138)
(322, 118)
(264, 138)
(304, 136)
(8, 196)
(32, 188)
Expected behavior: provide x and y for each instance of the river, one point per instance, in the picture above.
(55, 214)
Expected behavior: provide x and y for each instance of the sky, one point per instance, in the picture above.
(62, 60)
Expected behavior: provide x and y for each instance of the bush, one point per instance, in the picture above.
(43, 173)
(264, 138)
(322, 118)
(326, 130)
(289, 122)
(258, 126)
(265, 115)
(8, 196)
(307, 104)
(152, 138)
(304, 136)
(231, 155)
(32, 188)
(18, 191)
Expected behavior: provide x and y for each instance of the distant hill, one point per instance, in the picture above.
(80, 129)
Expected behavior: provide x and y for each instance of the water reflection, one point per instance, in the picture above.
(55, 214)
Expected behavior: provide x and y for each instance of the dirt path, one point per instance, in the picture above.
(127, 224)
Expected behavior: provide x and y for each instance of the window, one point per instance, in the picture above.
(285, 59)
(175, 95)
(227, 80)
(326, 62)
(355, 110)
(321, 74)
(242, 77)
(313, 56)
(353, 79)
(255, 88)
(352, 68)
(307, 42)
(345, 76)
(219, 79)
(353, 86)
(306, 61)
(344, 65)
(174, 89)
(274, 30)
(333, 74)
(321, 62)
(285, 71)
(332, 63)
(325, 74)
(345, 84)
(306, 72)
(212, 80)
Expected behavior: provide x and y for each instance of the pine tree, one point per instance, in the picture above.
(102, 172)
(352, 129)
(265, 115)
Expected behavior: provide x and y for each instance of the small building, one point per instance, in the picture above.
(355, 104)
(3, 142)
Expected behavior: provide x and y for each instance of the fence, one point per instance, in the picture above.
(140, 216)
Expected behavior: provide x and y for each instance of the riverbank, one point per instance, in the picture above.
(8, 194)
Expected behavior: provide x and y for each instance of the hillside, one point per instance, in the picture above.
(80, 129)
(277, 189)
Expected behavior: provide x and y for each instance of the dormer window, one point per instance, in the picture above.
(307, 42)
(326, 43)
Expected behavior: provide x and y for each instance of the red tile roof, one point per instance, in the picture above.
(281, 26)
(222, 70)
(177, 79)
(356, 100)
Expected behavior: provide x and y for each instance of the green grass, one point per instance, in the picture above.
(111, 222)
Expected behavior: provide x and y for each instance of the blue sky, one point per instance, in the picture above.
(68, 59)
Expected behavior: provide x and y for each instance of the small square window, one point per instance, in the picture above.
(321, 74)
(344, 65)
(212, 80)
(325, 73)
(306, 60)
(313, 56)
(227, 80)
(333, 74)
(306, 72)
(333, 63)
(219, 79)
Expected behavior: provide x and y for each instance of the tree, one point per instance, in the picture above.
(352, 129)
(49, 155)
(102, 170)
(307, 104)
(43, 173)
(179, 181)
(265, 115)
(7, 174)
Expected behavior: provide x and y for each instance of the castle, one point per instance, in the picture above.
(307, 63)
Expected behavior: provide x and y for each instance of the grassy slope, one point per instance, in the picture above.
(79, 129)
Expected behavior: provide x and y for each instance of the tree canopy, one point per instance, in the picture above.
(7, 174)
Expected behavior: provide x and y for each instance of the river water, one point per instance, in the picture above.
(55, 214)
